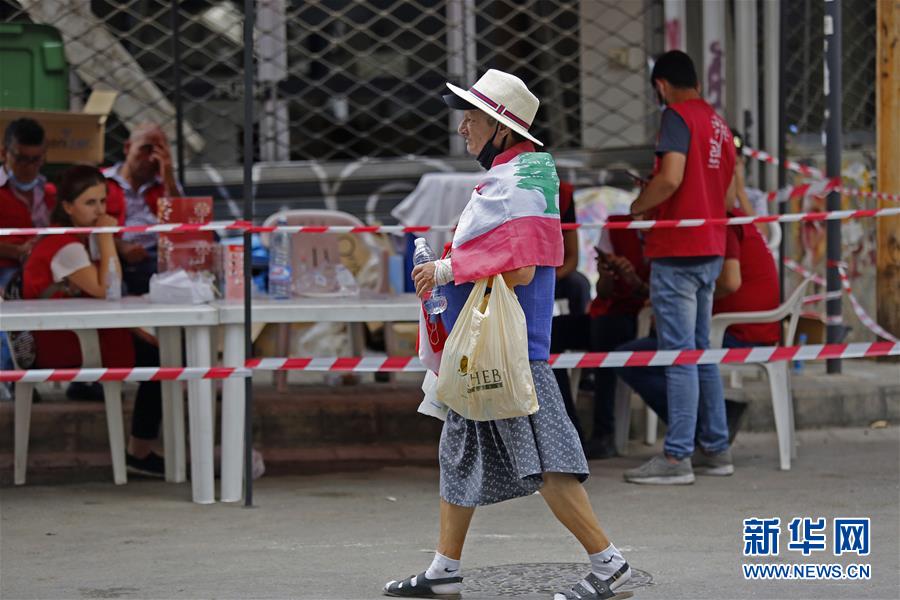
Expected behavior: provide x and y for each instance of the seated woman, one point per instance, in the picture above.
(70, 265)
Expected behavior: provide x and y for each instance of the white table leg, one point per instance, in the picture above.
(200, 399)
(172, 405)
(24, 393)
(233, 399)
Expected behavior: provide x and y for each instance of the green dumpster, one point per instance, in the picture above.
(33, 70)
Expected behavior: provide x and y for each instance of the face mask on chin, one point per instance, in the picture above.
(22, 187)
(489, 152)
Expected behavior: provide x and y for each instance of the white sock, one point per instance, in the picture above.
(442, 567)
(605, 563)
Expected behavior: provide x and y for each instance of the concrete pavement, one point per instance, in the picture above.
(341, 536)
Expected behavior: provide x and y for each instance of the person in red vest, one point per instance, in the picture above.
(748, 283)
(69, 265)
(622, 291)
(26, 198)
(135, 187)
(694, 169)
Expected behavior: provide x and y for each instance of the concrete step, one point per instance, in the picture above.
(317, 428)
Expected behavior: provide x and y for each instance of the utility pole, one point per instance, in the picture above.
(833, 118)
(887, 100)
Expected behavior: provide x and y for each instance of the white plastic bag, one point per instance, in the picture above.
(179, 287)
(484, 374)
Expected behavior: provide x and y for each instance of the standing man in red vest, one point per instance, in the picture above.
(135, 186)
(694, 168)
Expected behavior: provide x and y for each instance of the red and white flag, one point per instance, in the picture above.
(511, 221)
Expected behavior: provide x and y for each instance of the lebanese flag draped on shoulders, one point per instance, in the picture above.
(511, 221)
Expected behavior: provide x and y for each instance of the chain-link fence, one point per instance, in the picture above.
(805, 111)
(344, 79)
(804, 65)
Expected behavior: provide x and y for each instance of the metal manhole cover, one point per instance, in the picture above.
(536, 578)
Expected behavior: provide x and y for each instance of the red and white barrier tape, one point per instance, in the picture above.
(571, 360)
(393, 364)
(861, 313)
(125, 374)
(655, 224)
(791, 165)
(820, 188)
(858, 310)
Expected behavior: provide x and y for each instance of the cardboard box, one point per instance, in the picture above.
(71, 137)
(194, 251)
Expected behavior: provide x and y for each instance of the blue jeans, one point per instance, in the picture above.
(681, 293)
(650, 382)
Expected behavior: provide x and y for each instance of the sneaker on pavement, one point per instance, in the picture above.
(718, 464)
(659, 471)
(151, 465)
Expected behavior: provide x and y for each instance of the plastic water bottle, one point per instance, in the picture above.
(798, 364)
(113, 281)
(280, 264)
(434, 301)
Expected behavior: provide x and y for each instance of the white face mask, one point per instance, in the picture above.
(19, 185)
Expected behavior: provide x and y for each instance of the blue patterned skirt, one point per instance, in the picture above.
(485, 462)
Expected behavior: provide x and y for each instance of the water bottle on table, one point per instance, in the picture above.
(280, 263)
(434, 301)
(113, 281)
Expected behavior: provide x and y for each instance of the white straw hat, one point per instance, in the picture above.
(503, 96)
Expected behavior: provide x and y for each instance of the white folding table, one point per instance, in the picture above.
(168, 319)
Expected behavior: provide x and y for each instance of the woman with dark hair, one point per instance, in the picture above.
(73, 265)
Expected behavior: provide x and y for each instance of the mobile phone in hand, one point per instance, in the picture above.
(637, 178)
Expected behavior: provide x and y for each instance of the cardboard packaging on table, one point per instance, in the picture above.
(193, 251)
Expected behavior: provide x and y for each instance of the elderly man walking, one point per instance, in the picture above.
(694, 167)
(509, 228)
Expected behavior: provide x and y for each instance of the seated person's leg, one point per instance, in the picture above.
(734, 411)
(575, 288)
(147, 414)
(137, 276)
(569, 332)
(607, 332)
(648, 382)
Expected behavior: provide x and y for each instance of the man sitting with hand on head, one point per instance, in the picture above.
(135, 187)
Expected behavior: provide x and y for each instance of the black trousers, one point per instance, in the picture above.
(137, 276)
(598, 334)
(575, 288)
(148, 401)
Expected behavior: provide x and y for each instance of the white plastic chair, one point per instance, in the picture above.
(777, 373)
(774, 240)
(112, 393)
(321, 248)
(622, 409)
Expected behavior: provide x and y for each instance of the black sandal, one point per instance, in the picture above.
(602, 588)
(419, 586)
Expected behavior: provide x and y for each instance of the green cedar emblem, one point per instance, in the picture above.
(538, 172)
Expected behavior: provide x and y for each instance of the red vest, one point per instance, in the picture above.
(701, 195)
(14, 213)
(115, 199)
(60, 349)
(627, 243)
